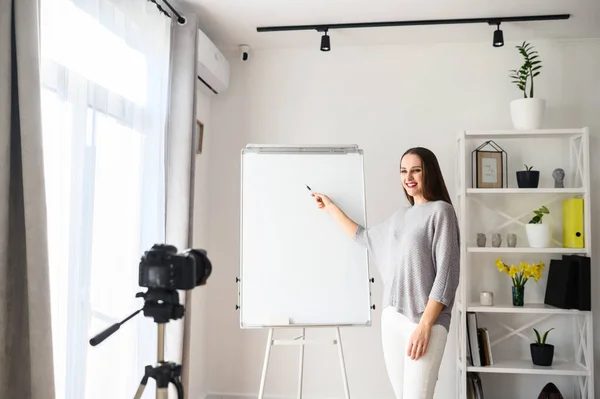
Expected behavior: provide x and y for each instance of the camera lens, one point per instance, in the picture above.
(203, 265)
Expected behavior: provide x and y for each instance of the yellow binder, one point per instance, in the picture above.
(572, 215)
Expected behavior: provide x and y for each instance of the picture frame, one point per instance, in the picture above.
(489, 166)
(200, 135)
(489, 169)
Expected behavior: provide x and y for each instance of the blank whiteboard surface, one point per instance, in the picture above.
(298, 267)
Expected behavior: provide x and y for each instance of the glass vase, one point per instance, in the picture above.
(518, 293)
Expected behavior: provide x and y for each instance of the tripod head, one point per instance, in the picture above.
(162, 305)
(163, 272)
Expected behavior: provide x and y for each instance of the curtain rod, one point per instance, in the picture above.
(180, 18)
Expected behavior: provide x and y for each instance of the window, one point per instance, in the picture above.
(103, 137)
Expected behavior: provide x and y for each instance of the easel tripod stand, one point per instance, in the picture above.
(302, 341)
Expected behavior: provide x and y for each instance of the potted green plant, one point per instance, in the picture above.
(538, 233)
(528, 178)
(528, 112)
(542, 353)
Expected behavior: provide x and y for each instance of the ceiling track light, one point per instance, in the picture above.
(498, 35)
(498, 40)
(325, 41)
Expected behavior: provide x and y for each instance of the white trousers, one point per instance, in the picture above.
(410, 379)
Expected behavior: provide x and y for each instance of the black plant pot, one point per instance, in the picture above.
(528, 178)
(542, 355)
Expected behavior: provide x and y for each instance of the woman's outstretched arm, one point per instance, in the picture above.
(348, 225)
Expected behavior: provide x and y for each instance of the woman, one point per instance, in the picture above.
(417, 253)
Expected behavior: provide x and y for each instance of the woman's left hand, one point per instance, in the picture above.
(419, 340)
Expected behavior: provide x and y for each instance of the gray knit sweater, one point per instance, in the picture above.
(417, 253)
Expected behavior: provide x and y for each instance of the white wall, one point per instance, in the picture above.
(197, 355)
(384, 99)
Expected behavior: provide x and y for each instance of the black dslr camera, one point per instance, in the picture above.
(162, 267)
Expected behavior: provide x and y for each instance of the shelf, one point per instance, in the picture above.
(527, 367)
(520, 134)
(528, 250)
(577, 190)
(531, 308)
(572, 146)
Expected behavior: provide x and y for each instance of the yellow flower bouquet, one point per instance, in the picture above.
(520, 275)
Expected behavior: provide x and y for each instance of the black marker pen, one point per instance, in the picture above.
(309, 189)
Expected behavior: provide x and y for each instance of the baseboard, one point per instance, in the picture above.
(239, 396)
(248, 396)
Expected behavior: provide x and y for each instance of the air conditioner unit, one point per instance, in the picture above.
(213, 68)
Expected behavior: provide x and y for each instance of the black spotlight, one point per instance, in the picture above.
(325, 43)
(498, 37)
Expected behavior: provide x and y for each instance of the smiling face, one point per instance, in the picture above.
(422, 177)
(411, 174)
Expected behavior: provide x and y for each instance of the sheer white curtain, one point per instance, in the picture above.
(105, 77)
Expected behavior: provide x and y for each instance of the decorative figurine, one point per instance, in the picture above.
(558, 176)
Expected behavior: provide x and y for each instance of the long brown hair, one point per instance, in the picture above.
(434, 187)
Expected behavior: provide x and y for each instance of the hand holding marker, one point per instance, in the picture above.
(323, 201)
(319, 200)
(311, 193)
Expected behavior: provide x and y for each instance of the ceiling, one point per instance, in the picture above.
(230, 23)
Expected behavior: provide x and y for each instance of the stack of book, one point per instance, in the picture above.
(474, 388)
(479, 347)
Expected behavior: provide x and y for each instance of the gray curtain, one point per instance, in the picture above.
(180, 166)
(26, 365)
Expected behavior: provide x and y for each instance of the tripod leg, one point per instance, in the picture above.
(342, 362)
(301, 371)
(140, 390)
(162, 393)
(265, 365)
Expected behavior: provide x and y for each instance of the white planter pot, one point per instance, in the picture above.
(538, 235)
(527, 113)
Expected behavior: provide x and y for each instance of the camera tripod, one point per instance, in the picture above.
(164, 373)
(162, 305)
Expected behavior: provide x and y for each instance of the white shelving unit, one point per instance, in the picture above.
(578, 363)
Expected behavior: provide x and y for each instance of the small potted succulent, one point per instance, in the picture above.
(538, 234)
(528, 178)
(541, 352)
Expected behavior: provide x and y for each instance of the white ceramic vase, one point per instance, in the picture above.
(538, 235)
(527, 113)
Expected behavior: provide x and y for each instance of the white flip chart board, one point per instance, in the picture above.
(298, 267)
